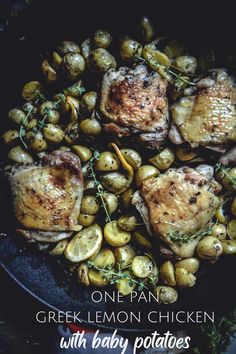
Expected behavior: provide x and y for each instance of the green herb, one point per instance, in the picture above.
(225, 173)
(22, 130)
(100, 190)
(178, 237)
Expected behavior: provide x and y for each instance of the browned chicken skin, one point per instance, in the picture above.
(47, 196)
(134, 103)
(180, 201)
(208, 117)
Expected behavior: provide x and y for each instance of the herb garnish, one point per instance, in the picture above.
(177, 237)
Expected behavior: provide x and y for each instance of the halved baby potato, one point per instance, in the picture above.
(115, 236)
(142, 266)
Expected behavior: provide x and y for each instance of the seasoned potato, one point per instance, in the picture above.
(90, 126)
(114, 182)
(85, 244)
(132, 157)
(53, 134)
(163, 160)
(30, 109)
(86, 47)
(126, 198)
(97, 279)
(10, 136)
(167, 272)
(166, 294)
(130, 50)
(104, 259)
(155, 57)
(83, 152)
(146, 29)
(186, 63)
(124, 256)
(184, 278)
(47, 109)
(86, 219)
(83, 274)
(145, 172)
(17, 154)
(111, 201)
(221, 215)
(102, 39)
(36, 141)
(17, 116)
(219, 231)
(127, 222)
(59, 249)
(74, 65)
(142, 239)
(209, 248)
(190, 265)
(66, 47)
(142, 266)
(88, 102)
(31, 90)
(107, 161)
(115, 236)
(229, 246)
(90, 205)
(231, 229)
(125, 285)
(100, 60)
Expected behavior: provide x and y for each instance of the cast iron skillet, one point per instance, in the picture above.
(36, 31)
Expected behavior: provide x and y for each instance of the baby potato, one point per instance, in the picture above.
(17, 116)
(125, 285)
(31, 90)
(90, 186)
(107, 161)
(59, 249)
(115, 236)
(89, 205)
(83, 274)
(184, 278)
(66, 47)
(32, 124)
(166, 294)
(49, 72)
(73, 65)
(96, 278)
(124, 256)
(111, 201)
(113, 182)
(126, 198)
(17, 154)
(221, 215)
(227, 180)
(47, 109)
(86, 47)
(102, 39)
(53, 134)
(56, 60)
(127, 222)
(10, 136)
(163, 160)
(90, 126)
(229, 246)
(132, 157)
(186, 63)
(142, 266)
(100, 60)
(104, 259)
(219, 231)
(191, 265)
(88, 102)
(86, 219)
(83, 152)
(209, 248)
(30, 109)
(167, 272)
(145, 172)
(142, 239)
(130, 50)
(146, 29)
(36, 141)
(231, 229)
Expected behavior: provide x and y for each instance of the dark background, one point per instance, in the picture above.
(30, 30)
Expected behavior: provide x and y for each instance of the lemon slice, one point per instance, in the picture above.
(115, 236)
(85, 244)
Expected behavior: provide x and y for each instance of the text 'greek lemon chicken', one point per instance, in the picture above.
(47, 196)
(179, 202)
(133, 103)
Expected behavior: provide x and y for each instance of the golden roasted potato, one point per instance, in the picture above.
(167, 272)
(115, 236)
(184, 278)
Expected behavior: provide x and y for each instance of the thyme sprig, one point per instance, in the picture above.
(100, 190)
(225, 173)
(108, 273)
(178, 237)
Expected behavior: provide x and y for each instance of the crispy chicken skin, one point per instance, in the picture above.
(180, 201)
(47, 196)
(207, 118)
(133, 103)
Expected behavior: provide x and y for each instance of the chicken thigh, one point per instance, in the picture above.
(133, 103)
(179, 202)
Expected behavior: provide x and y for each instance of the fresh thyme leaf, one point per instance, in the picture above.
(225, 173)
(178, 237)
